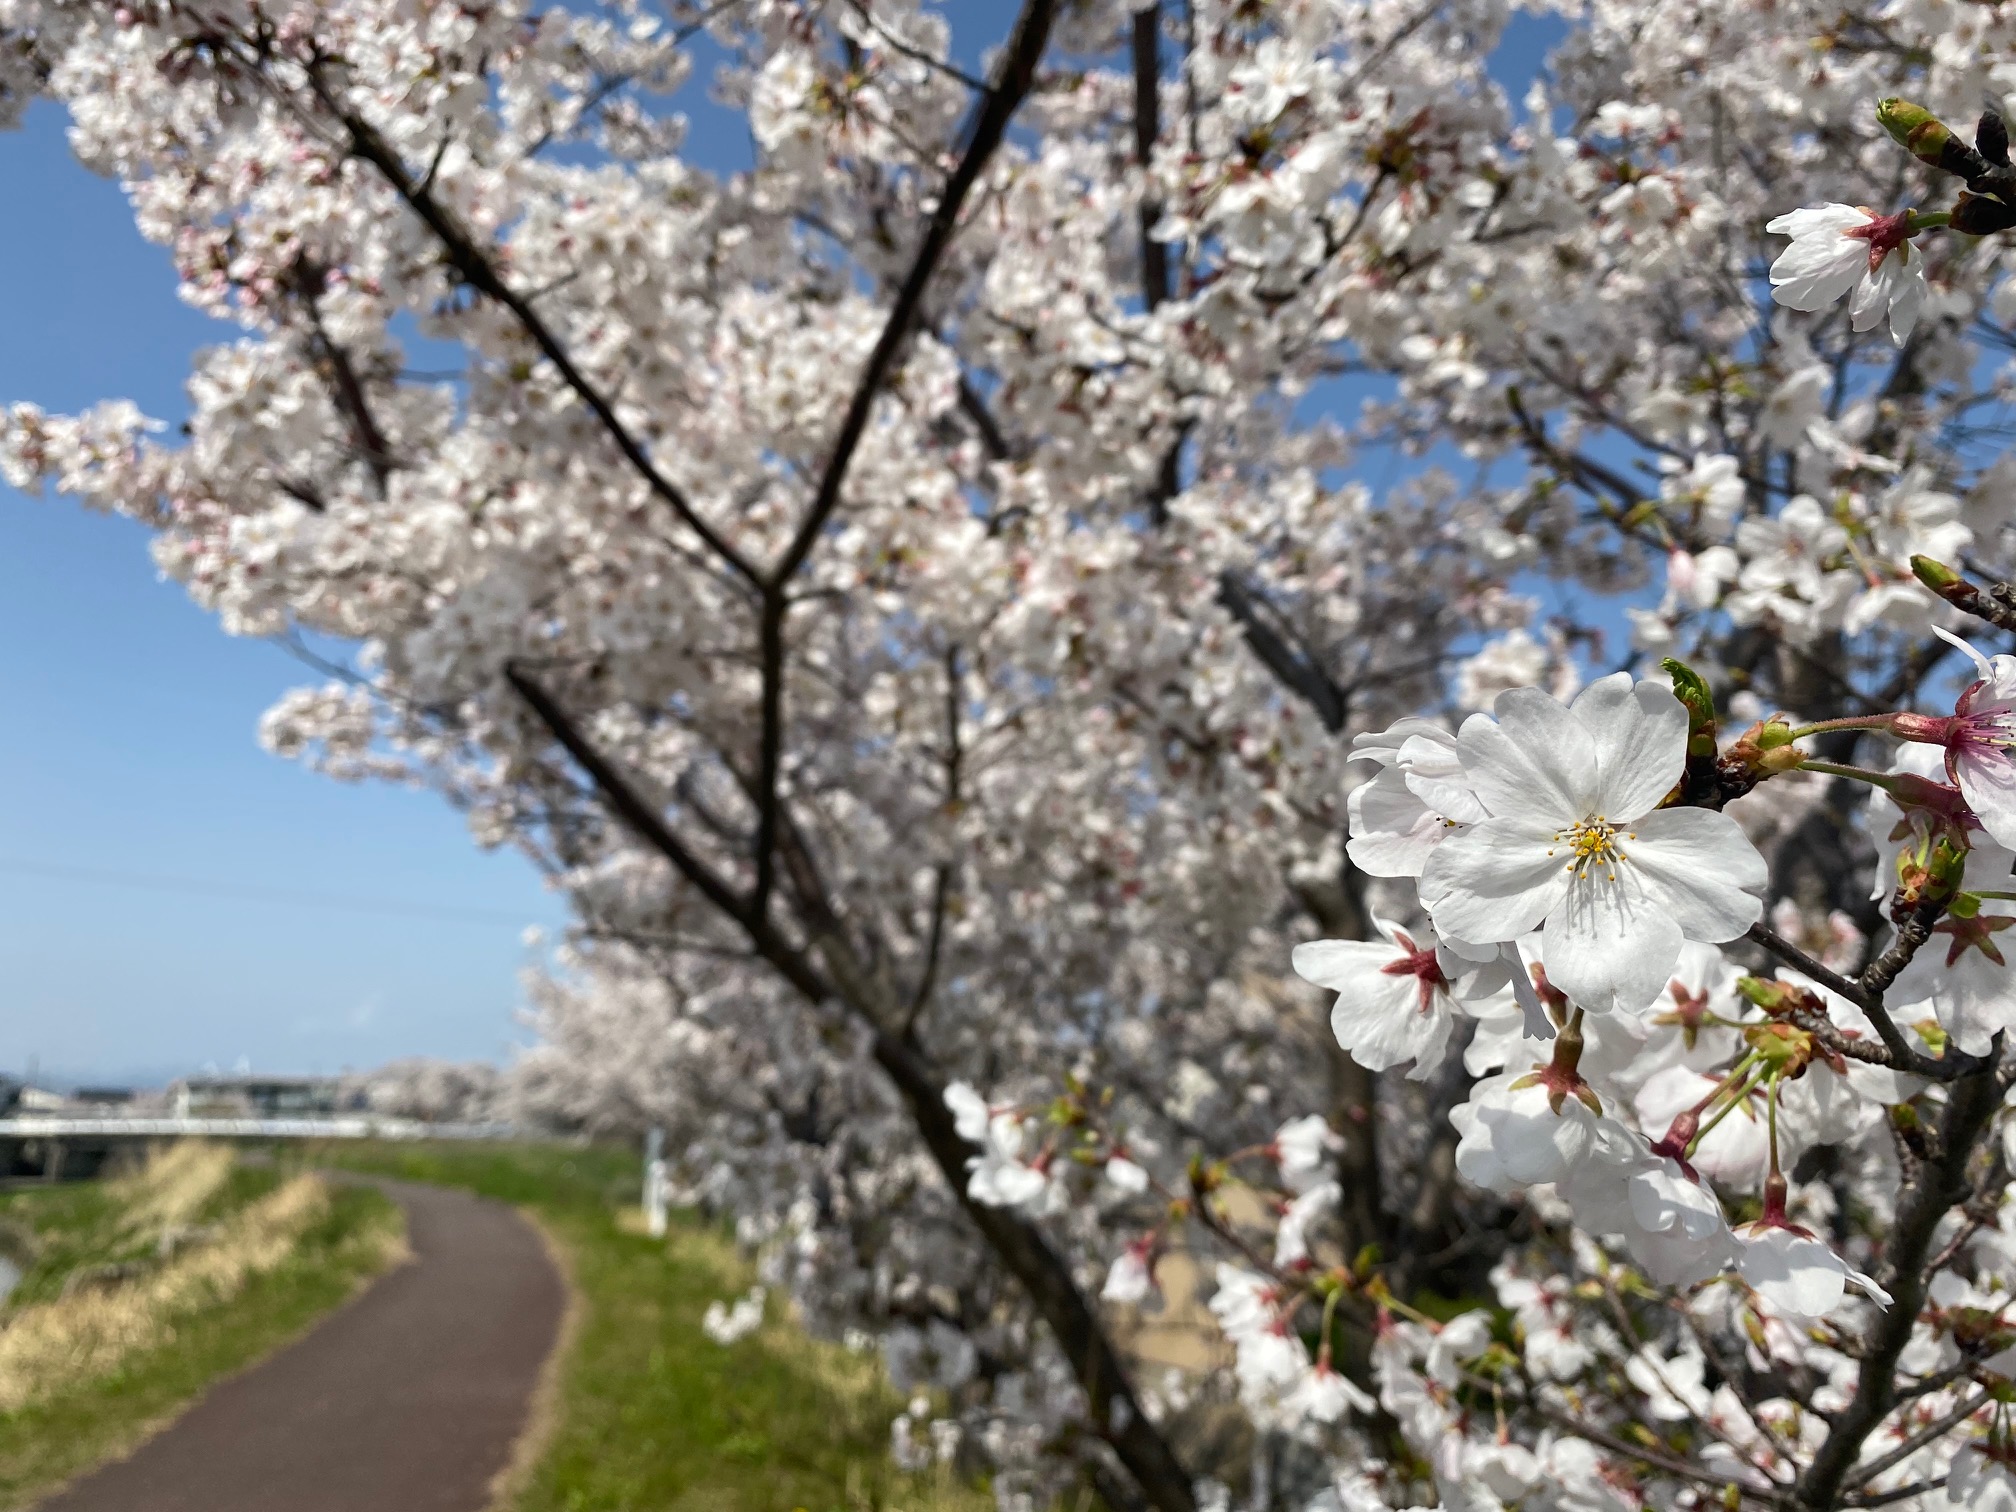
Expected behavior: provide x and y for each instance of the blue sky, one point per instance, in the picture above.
(130, 752)
(171, 896)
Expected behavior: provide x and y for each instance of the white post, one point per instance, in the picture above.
(654, 1183)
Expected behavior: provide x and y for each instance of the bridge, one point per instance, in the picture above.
(53, 1144)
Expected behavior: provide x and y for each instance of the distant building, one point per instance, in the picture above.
(96, 1098)
(255, 1096)
(28, 1099)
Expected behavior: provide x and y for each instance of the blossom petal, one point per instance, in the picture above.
(1494, 881)
(1973, 653)
(1795, 1275)
(1640, 734)
(1341, 964)
(1701, 869)
(1392, 832)
(1811, 220)
(1381, 1026)
(1609, 946)
(1534, 758)
(1872, 298)
(1811, 289)
(1906, 302)
(1987, 777)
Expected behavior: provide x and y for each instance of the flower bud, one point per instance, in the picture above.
(1936, 575)
(1997, 605)
(1991, 138)
(1772, 733)
(1784, 1047)
(1775, 997)
(1929, 874)
(1927, 138)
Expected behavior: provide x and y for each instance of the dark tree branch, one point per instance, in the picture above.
(1114, 1410)
(472, 264)
(974, 408)
(346, 389)
(1013, 81)
(1930, 1191)
(1016, 76)
(1147, 129)
(1156, 283)
(955, 798)
(1931, 1433)
(916, 54)
(1866, 993)
(1294, 670)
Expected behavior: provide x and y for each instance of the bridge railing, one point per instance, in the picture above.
(341, 1126)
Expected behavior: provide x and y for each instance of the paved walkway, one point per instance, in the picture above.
(408, 1399)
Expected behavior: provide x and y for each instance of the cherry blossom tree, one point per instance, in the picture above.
(967, 607)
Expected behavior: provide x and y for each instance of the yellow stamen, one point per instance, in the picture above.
(1594, 842)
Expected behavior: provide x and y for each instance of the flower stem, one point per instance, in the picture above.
(1854, 722)
(1884, 780)
(1723, 1112)
(1771, 1117)
(1329, 1316)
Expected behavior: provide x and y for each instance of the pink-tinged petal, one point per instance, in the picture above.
(1640, 734)
(1987, 777)
(1700, 869)
(1534, 758)
(1496, 880)
(1379, 1027)
(1608, 946)
(1342, 965)
(1392, 832)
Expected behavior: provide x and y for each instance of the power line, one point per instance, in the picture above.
(196, 887)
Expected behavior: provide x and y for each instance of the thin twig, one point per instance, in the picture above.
(1015, 78)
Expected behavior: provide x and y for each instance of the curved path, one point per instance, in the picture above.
(407, 1399)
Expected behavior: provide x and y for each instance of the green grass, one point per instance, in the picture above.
(84, 1224)
(652, 1414)
(56, 1437)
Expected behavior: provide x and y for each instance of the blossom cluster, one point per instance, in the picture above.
(1086, 523)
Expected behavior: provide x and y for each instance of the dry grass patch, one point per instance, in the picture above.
(143, 1290)
(53, 1347)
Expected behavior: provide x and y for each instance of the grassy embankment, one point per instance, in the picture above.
(649, 1412)
(139, 1291)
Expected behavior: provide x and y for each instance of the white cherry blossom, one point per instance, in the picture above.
(1578, 846)
(1836, 248)
(1797, 1275)
(1396, 1001)
(1982, 1480)
(1513, 1136)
